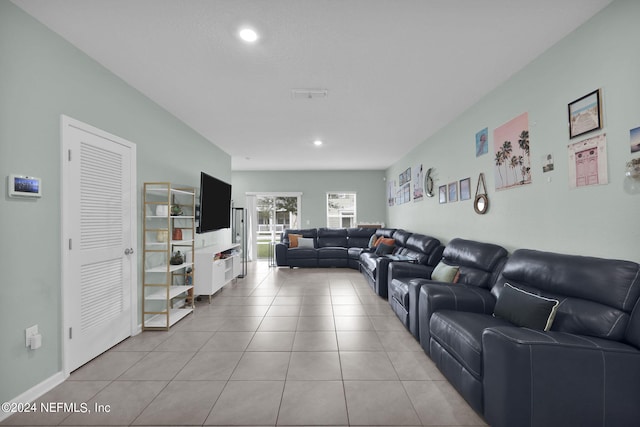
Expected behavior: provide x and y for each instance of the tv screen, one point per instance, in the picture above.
(215, 204)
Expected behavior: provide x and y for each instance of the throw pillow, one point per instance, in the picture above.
(445, 273)
(372, 241)
(387, 241)
(384, 249)
(305, 242)
(377, 242)
(293, 240)
(525, 309)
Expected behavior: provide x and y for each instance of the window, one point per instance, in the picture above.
(341, 210)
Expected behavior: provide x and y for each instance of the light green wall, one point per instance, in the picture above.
(546, 215)
(314, 186)
(42, 77)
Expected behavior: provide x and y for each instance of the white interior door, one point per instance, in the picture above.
(99, 237)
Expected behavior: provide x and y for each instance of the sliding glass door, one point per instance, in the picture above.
(272, 214)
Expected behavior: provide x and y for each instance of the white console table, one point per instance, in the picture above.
(212, 274)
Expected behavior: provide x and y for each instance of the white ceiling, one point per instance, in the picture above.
(396, 70)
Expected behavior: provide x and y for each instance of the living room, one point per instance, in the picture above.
(44, 76)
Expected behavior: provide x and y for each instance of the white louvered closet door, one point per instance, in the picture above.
(97, 295)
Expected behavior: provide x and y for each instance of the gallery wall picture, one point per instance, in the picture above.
(588, 162)
(482, 142)
(418, 183)
(585, 114)
(634, 138)
(391, 192)
(512, 162)
(453, 191)
(442, 194)
(465, 189)
(404, 194)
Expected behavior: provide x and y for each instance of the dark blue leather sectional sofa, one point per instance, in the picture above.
(583, 371)
(332, 247)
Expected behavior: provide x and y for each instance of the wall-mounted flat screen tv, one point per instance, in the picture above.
(215, 204)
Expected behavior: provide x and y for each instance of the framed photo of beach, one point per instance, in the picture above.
(585, 114)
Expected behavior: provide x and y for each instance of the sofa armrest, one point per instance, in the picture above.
(382, 274)
(281, 254)
(534, 378)
(437, 296)
(400, 270)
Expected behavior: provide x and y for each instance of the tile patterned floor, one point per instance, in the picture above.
(279, 347)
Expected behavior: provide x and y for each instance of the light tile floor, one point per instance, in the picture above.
(279, 347)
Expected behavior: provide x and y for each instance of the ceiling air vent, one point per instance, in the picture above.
(309, 93)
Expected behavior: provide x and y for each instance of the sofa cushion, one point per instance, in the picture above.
(401, 237)
(460, 334)
(445, 273)
(478, 261)
(333, 252)
(332, 237)
(386, 232)
(302, 253)
(596, 295)
(354, 253)
(359, 237)
(525, 309)
(424, 249)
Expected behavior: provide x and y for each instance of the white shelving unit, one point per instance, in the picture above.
(214, 273)
(169, 227)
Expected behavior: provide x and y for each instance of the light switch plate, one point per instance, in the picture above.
(29, 332)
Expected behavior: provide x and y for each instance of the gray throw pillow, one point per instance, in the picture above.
(305, 242)
(445, 273)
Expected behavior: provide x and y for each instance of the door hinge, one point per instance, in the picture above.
(70, 244)
(70, 333)
(69, 154)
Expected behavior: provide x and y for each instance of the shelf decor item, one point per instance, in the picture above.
(177, 258)
(585, 114)
(177, 234)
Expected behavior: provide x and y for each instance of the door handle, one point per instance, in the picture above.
(128, 251)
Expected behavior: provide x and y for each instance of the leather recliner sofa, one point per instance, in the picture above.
(584, 371)
(425, 251)
(478, 264)
(332, 247)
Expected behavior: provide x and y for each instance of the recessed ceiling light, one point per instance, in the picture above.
(248, 35)
(317, 143)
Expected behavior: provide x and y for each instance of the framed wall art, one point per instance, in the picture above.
(453, 191)
(585, 114)
(512, 154)
(442, 193)
(465, 189)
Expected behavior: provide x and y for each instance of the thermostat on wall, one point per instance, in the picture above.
(24, 186)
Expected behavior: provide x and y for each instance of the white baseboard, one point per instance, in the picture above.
(35, 392)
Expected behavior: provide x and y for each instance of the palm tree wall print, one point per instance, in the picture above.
(512, 159)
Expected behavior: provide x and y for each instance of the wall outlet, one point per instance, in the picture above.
(29, 332)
